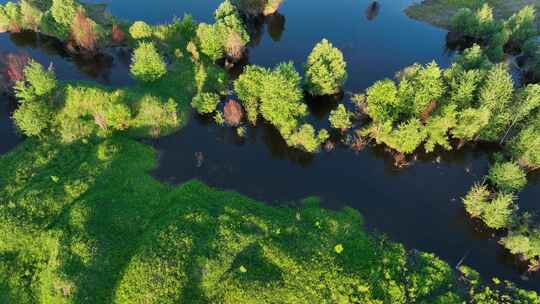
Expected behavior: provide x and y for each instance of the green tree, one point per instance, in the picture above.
(496, 95)
(521, 25)
(476, 200)
(140, 30)
(325, 70)
(249, 89)
(32, 118)
(306, 138)
(38, 82)
(63, 12)
(211, 41)
(438, 127)
(498, 213)
(382, 101)
(146, 64)
(525, 147)
(507, 177)
(340, 118)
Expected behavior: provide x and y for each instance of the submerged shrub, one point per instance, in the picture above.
(146, 64)
(507, 177)
(140, 30)
(340, 118)
(325, 70)
(205, 103)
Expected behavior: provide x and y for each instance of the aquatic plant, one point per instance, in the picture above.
(325, 70)
(147, 65)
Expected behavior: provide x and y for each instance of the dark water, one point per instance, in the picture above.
(418, 206)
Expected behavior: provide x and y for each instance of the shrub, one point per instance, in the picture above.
(32, 118)
(140, 30)
(437, 128)
(507, 177)
(235, 47)
(476, 200)
(325, 70)
(306, 138)
(10, 17)
(205, 103)
(38, 82)
(147, 65)
(228, 21)
(340, 118)
(14, 65)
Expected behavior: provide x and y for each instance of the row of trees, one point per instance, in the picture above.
(66, 20)
(472, 100)
(516, 34)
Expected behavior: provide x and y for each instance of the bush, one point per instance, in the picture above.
(521, 25)
(205, 103)
(382, 101)
(232, 113)
(10, 17)
(507, 177)
(147, 65)
(228, 21)
(154, 117)
(470, 122)
(30, 16)
(340, 118)
(140, 30)
(325, 70)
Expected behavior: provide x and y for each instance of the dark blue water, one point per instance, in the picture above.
(418, 206)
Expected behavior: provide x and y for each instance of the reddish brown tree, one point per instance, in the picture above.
(82, 31)
(117, 35)
(233, 113)
(12, 68)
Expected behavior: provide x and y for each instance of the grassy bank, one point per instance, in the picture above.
(439, 12)
(85, 223)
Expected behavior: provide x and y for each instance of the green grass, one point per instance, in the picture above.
(439, 12)
(85, 223)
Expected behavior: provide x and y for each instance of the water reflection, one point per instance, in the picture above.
(275, 24)
(372, 10)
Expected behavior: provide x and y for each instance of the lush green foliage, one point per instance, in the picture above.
(496, 213)
(340, 118)
(214, 39)
(147, 65)
(85, 223)
(325, 70)
(507, 177)
(277, 96)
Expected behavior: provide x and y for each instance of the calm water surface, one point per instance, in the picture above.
(418, 206)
